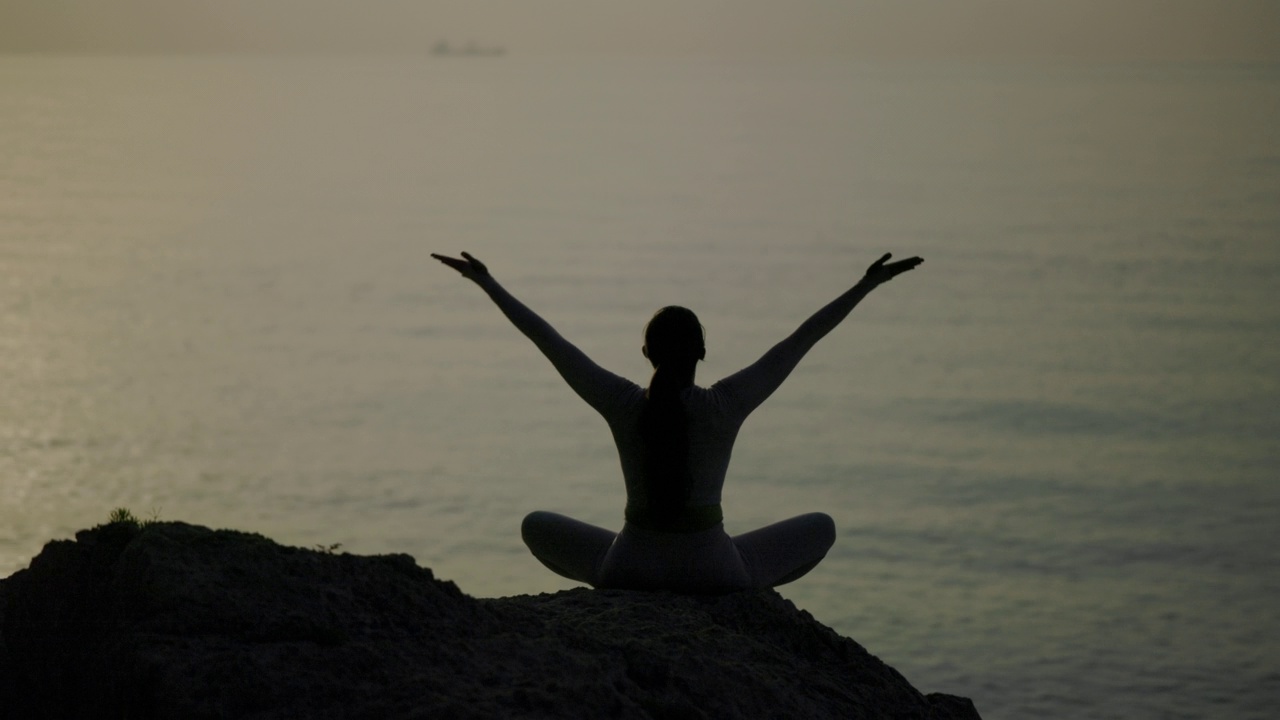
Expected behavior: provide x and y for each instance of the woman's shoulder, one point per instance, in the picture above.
(630, 395)
(715, 398)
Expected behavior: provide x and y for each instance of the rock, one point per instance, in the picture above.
(179, 621)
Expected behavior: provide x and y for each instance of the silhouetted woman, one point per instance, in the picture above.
(674, 440)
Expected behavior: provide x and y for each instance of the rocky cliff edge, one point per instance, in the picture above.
(171, 620)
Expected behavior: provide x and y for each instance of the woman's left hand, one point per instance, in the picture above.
(471, 268)
(882, 271)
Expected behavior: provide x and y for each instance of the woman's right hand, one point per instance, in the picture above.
(470, 268)
(882, 271)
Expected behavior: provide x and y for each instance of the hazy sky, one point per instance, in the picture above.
(1091, 29)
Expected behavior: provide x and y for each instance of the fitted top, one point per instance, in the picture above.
(714, 413)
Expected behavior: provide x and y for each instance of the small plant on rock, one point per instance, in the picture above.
(125, 516)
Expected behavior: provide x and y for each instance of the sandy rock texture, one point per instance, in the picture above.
(179, 621)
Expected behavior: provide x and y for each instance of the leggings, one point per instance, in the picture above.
(708, 561)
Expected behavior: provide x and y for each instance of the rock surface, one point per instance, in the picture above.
(179, 621)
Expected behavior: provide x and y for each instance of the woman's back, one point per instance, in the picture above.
(712, 422)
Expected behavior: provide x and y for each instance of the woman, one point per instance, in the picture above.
(674, 440)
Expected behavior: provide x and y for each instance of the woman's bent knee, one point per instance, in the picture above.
(534, 522)
(824, 528)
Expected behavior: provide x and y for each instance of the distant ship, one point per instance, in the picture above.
(471, 49)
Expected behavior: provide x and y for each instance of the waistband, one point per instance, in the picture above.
(688, 520)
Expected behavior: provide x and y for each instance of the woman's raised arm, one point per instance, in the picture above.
(755, 383)
(592, 383)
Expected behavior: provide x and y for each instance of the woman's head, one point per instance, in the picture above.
(674, 335)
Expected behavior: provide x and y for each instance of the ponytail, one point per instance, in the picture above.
(674, 343)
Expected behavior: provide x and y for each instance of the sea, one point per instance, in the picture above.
(1052, 451)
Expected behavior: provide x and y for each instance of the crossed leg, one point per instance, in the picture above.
(784, 551)
(570, 548)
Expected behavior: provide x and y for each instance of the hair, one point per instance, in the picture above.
(674, 342)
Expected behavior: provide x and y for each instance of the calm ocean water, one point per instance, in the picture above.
(1051, 452)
